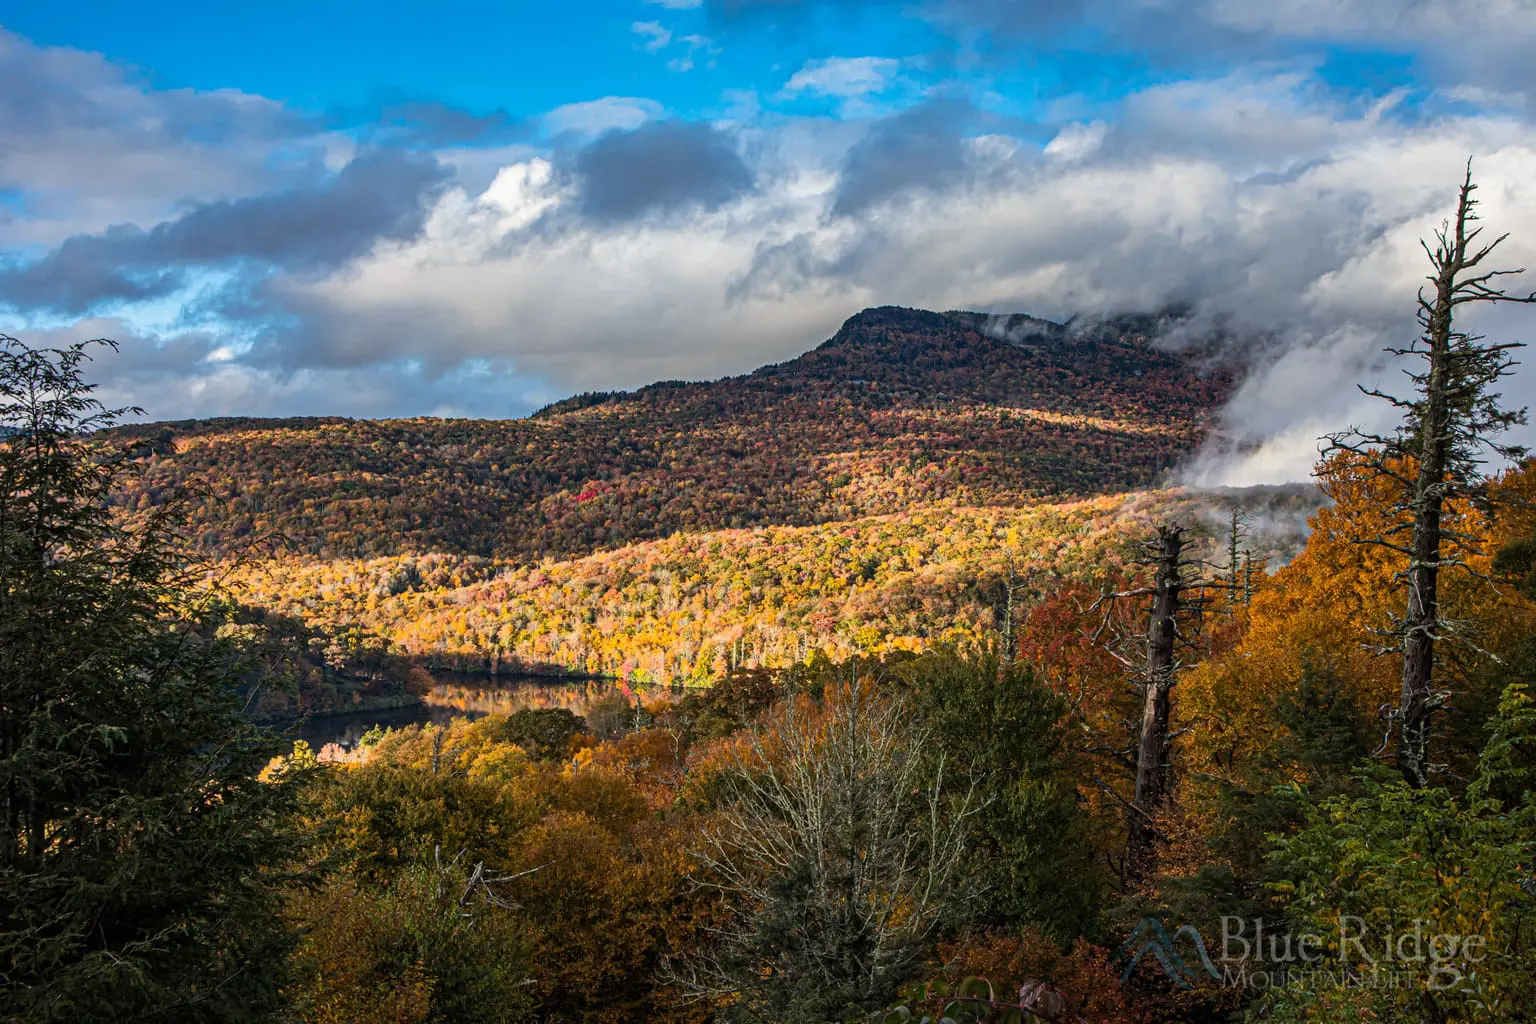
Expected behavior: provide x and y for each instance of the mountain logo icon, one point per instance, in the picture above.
(1150, 937)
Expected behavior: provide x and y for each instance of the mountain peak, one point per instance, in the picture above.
(894, 318)
(905, 406)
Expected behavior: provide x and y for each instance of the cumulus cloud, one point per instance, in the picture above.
(334, 217)
(1450, 41)
(624, 246)
(89, 146)
(921, 148)
(658, 167)
(1314, 249)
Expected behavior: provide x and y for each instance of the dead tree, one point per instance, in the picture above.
(836, 855)
(1436, 456)
(1177, 593)
(1239, 572)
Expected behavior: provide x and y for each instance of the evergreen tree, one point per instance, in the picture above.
(138, 848)
(1003, 736)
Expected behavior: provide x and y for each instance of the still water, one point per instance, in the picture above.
(455, 696)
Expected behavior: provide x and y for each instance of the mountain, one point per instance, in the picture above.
(900, 409)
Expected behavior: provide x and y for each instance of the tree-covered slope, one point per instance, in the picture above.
(901, 408)
(688, 608)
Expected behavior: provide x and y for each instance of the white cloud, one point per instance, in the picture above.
(1263, 197)
(1315, 242)
(1449, 42)
(593, 117)
(1077, 141)
(91, 145)
(693, 45)
(843, 77)
(655, 34)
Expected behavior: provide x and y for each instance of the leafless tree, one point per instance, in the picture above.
(1450, 424)
(1155, 658)
(1239, 565)
(837, 855)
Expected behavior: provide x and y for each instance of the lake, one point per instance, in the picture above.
(455, 696)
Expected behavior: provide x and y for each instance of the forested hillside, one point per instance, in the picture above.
(689, 608)
(900, 409)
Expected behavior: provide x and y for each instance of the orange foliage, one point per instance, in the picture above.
(1083, 973)
(601, 910)
(1327, 610)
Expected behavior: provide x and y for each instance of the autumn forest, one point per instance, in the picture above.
(905, 680)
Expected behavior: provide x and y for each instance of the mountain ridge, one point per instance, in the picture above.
(899, 408)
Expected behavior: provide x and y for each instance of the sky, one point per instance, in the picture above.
(457, 209)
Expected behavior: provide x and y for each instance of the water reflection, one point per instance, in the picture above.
(456, 696)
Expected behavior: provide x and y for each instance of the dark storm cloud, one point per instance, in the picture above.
(920, 148)
(660, 166)
(317, 224)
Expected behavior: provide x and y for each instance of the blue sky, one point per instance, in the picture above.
(522, 57)
(470, 209)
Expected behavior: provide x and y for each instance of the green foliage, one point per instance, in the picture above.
(1400, 860)
(1480, 693)
(294, 668)
(375, 819)
(1324, 741)
(732, 702)
(1000, 736)
(544, 732)
(836, 858)
(589, 887)
(139, 852)
(434, 946)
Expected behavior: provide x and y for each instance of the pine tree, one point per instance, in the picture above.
(138, 849)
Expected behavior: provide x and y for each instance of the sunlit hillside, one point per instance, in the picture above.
(688, 608)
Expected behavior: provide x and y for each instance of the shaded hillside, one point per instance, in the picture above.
(900, 408)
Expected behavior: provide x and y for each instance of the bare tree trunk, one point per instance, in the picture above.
(1152, 753)
(1234, 553)
(1417, 702)
(1423, 614)
(1449, 426)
